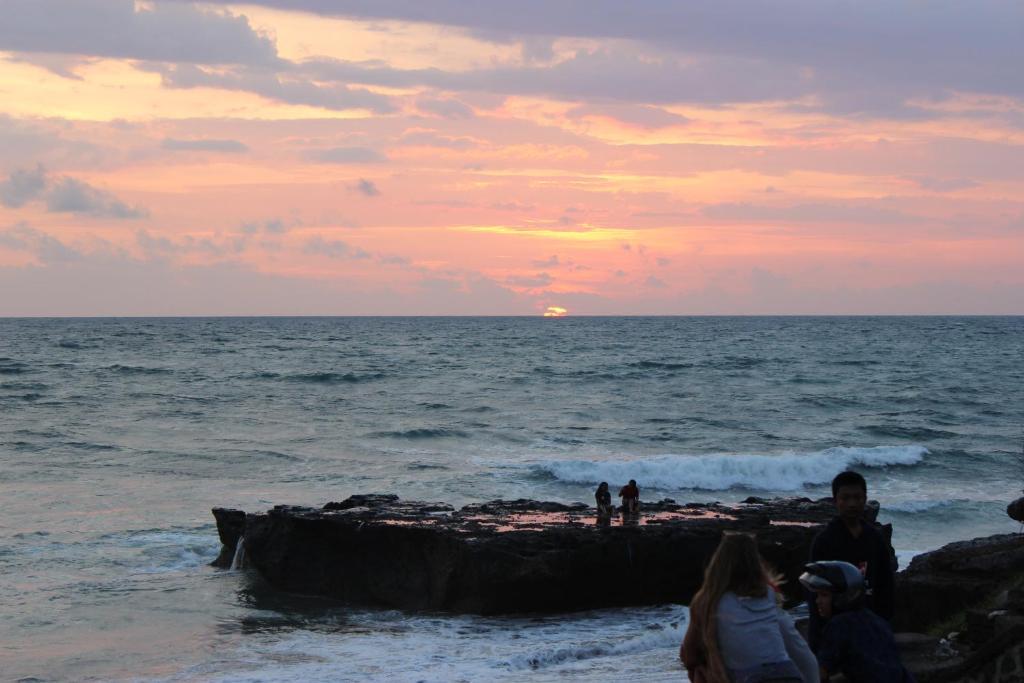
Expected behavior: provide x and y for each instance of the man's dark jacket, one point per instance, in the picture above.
(870, 550)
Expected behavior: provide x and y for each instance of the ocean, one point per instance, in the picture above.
(117, 436)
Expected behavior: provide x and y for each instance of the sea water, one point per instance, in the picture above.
(117, 436)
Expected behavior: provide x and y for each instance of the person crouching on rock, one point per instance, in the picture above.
(603, 497)
(737, 631)
(854, 640)
(630, 495)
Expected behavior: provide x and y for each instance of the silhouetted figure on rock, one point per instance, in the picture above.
(630, 495)
(603, 499)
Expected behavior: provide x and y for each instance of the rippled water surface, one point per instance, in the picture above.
(118, 435)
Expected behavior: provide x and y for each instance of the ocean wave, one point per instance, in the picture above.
(660, 365)
(907, 432)
(158, 551)
(916, 506)
(73, 344)
(24, 386)
(739, 362)
(654, 638)
(22, 397)
(825, 401)
(723, 471)
(9, 366)
(137, 370)
(334, 377)
(396, 648)
(422, 433)
(417, 466)
(90, 446)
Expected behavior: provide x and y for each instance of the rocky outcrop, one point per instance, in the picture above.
(508, 556)
(945, 582)
(970, 592)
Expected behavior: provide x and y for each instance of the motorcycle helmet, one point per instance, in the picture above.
(842, 579)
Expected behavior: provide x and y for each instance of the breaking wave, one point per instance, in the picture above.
(722, 471)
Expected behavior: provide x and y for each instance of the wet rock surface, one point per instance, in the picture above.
(508, 556)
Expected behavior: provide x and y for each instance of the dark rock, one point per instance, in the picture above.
(926, 657)
(871, 510)
(978, 626)
(957, 577)
(916, 642)
(510, 556)
(1016, 510)
(230, 526)
(1013, 599)
(998, 660)
(370, 500)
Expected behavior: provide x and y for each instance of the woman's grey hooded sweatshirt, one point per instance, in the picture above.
(754, 633)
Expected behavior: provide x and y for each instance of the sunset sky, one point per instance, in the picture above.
(454, 157)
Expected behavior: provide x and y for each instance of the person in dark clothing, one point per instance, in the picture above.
(630, 495)
(850, 538)
(854, 640)
(603, 498)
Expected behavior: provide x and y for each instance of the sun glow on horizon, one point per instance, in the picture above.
(434, 167)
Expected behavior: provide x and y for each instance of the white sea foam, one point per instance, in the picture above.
(659, 638)
(156, 552)
(915, 506)
(398, 648)
(723, 471)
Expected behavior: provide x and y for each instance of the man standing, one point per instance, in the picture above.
(851, 538)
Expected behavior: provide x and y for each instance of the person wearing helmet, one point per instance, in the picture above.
(854, 640)
(851, 538)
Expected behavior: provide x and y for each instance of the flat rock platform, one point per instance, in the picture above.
(508, 556)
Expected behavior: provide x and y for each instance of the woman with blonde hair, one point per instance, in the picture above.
(737, 632)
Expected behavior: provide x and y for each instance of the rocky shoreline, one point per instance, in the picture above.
(960, 608)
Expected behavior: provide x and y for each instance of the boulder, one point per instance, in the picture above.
(1016, 510)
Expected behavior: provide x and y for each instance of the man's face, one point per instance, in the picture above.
(824, 602)
(850, 502)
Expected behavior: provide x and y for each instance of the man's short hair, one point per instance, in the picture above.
(848, 478)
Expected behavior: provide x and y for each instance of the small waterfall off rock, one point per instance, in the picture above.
(238, 561)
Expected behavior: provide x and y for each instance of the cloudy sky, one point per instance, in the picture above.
(455, 157)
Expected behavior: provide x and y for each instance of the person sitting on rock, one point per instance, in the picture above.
(851, 538)
(604, 500)
(854, 640)
(630, 495)
(737, 633)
